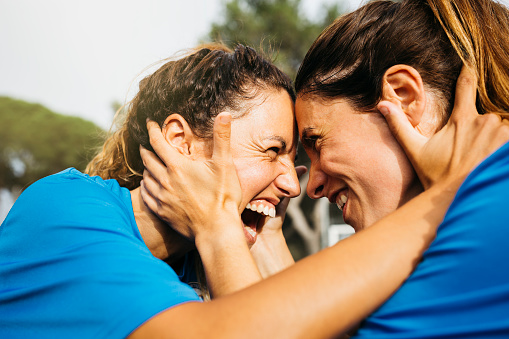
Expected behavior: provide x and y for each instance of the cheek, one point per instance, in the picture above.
(254, 177)
(389, 183)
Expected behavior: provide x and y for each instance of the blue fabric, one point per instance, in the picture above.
(73, 263)
(461, 287)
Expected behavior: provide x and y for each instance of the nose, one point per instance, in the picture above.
(288, 182)
(317, 181)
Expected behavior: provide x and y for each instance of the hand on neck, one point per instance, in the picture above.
(163, 242)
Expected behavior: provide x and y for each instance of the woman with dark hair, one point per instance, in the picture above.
(403, 59)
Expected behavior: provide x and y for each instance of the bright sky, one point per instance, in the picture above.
(77, 57)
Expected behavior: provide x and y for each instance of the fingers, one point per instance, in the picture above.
(222, 134)
(147, 198)
(466, 93)
(408, 137)
(153, 165)
(158, 143)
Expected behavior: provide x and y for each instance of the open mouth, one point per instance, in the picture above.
(253, 216)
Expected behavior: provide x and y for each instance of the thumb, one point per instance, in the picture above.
(466, 93)
(408, 137)
(222, 134)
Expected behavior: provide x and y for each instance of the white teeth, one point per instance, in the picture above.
(259, 209)
(250, 231)
(341, 201)
(265, 210)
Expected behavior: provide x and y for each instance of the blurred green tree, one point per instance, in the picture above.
(279, 26)
(36, 142)
(281, 29)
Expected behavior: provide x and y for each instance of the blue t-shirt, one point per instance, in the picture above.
(461, 287)
(74, 265)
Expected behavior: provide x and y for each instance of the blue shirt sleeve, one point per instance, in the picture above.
(461, 287)
(73, 263)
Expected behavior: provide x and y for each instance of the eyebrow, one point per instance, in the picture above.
(306, 140)
(306, 131)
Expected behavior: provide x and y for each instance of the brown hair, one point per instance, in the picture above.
(348, 60)
(209, 80)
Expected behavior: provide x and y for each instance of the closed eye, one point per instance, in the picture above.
(274, 151)
(309, 138)
(309, 142)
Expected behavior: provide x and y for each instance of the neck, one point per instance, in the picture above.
(163, 242)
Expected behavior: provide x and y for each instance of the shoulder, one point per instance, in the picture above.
(481, 196)
(70, 180)
(74, 237)
(70, 191)
(69, 207)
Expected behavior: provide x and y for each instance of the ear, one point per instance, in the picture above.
(403, 86)
(179, 135)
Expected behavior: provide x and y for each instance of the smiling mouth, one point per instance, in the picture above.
(252, 216)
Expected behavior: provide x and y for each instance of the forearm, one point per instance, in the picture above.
(228, 264)
(271, 254)
(325, 294)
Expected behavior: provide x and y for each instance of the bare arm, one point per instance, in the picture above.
(322, 295)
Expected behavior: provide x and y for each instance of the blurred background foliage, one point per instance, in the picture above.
(279, 27)
(36, 142)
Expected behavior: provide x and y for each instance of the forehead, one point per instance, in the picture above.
(314, 113)
(269, 114)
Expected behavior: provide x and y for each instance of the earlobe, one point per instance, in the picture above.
(403, 86)
(177, 133)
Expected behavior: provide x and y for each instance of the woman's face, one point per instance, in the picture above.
(263, 144)
(355, 161)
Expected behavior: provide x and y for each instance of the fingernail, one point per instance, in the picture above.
(225, 119)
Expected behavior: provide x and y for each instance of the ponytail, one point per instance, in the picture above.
(479, 32)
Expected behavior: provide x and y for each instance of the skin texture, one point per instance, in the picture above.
(263, 147)
(354, 154)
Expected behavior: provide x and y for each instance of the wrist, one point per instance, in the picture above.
(223, 234)
(271, 253)
(226, 259)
